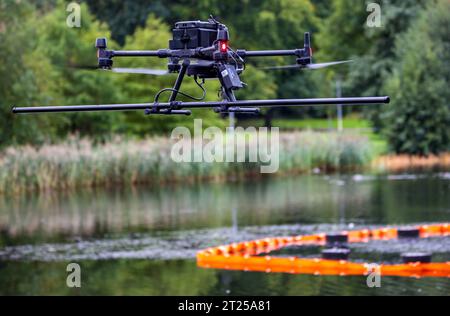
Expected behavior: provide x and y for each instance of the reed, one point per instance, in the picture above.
(80, 163)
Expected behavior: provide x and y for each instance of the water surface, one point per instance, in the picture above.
(143, 240)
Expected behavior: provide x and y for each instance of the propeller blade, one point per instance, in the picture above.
(324, 65)
(308, 66)
(145, 71)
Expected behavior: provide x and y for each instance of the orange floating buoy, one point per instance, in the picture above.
(244, 256)
(408, 232)
(335, 253)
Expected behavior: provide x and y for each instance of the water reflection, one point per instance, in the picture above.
(182, 277)
(305, 199)
(143, 240)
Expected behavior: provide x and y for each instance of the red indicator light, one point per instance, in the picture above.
(223, 46)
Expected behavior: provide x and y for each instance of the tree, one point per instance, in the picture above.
(124, 17)
(67, 48)
(19, 75)
(345, 35)
(418, 119)
(37, 55)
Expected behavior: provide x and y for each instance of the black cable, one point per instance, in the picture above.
(242, 61)
(182, 93)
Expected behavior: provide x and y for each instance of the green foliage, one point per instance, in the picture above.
(341, 34)
(124, 17)
(419, 117)
(18, 79)
(36, 70)
(70, 47)
(345, 35)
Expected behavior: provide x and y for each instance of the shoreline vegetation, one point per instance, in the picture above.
(79, 163)
(399, 163)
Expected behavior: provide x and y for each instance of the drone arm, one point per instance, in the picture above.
(304, 55)
(161, 53)
(105, 56)
(267, 53)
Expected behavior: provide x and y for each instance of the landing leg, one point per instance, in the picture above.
(179, 80)
(228, 95)
(174, 94)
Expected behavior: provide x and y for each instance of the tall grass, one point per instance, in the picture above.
(80, 163)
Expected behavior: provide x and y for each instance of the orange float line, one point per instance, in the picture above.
(244, 256)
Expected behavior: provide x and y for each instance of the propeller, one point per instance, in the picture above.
(309, 66)
(144, 71)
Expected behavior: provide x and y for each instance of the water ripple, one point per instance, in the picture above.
(185, 244)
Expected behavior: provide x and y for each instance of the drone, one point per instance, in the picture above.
(201, 50)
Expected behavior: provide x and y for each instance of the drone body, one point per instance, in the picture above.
(200, 49)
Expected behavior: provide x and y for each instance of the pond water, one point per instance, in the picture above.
(143, 240)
